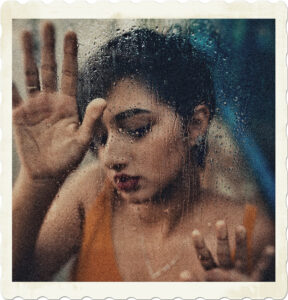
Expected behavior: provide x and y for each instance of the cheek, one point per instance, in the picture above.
(164, 157)
(172, 155)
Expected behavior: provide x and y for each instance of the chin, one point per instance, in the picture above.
(136, 197)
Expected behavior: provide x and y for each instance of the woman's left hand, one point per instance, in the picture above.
(227, 269)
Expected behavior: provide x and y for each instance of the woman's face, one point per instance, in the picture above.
(140, 142)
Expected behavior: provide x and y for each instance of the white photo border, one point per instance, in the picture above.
(148, 9)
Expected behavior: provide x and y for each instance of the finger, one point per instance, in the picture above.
(16, 99)
(93, 112)
(70, 66)
(48, 66)
(30, 67)
(241, 249)
(223, 249)
(185, 276)
(265, 265)
(203, 252)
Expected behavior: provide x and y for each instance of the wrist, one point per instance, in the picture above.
(35, 185)
(40, 181)
(33, 193)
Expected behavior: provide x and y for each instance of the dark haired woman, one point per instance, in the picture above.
(136, 213)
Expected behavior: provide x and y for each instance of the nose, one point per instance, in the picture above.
(117, 167)
(115, 154)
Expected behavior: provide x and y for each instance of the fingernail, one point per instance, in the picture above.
(27, 42)
(48, 28)
(185, 275)
(221, 230)
(197, 238)
(71, 46)
(196, 234)
(100, 101)
(240, 233)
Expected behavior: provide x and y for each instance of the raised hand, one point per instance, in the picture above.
(228, 269)
(49, 139)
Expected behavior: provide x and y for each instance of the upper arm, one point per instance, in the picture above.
(61, 231)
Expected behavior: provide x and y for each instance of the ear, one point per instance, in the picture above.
(199, 124)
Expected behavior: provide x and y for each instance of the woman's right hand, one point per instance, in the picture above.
(49, 139)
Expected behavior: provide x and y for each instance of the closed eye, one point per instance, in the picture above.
(139, 132)
(100, 139)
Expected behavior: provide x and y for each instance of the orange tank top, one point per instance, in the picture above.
(97, 261)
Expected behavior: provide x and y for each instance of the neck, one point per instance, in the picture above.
(166, 209)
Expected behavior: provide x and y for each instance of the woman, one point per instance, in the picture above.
(136, 213)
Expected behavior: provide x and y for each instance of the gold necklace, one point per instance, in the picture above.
(155, 274)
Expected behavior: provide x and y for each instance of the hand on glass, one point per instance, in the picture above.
(228, 269)
(49, 138)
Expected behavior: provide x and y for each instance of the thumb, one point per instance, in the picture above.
(93, 112)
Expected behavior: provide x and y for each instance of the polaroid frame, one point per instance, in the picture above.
(140, 290)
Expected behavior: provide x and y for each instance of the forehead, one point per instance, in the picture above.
(129, 94)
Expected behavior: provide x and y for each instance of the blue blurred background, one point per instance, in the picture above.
(242, 54)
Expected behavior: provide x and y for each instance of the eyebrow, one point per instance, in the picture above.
(130, 113)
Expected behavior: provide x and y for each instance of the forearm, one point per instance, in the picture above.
(31, 201)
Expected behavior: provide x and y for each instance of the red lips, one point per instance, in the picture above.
(126, 183)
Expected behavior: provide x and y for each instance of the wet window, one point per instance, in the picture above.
(170, 121)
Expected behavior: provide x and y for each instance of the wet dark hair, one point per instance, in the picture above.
(168, 65)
